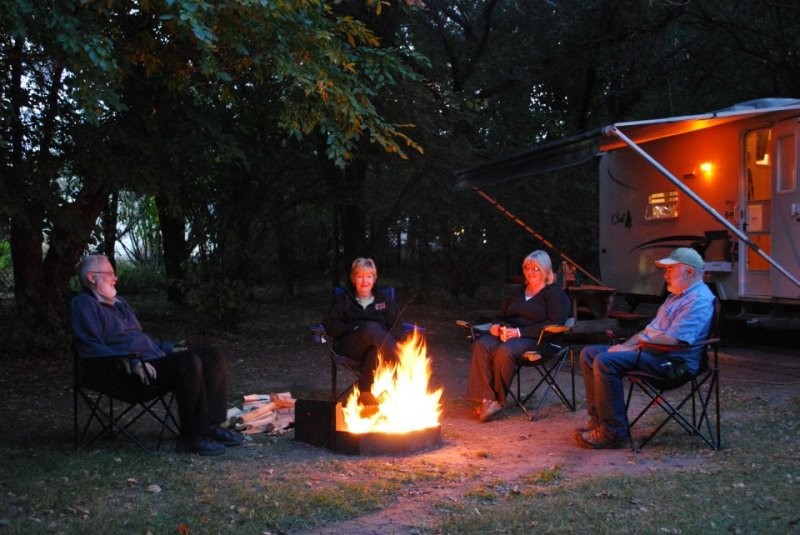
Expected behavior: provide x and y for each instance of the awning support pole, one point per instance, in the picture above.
(535, 234)
(705, 206)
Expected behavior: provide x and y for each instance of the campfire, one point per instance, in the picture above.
(405, 402)
(406, 419)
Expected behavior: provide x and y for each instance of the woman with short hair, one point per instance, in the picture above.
(364, 322)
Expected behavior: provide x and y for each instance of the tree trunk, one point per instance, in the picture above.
(42, 280)
(109, 225)
(354, 217)
(347, 189)
(286, 265)
(173, 233)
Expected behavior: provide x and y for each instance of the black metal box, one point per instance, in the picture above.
(315, 422)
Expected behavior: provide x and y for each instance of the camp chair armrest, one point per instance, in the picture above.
(662, 349)
(411, 327)
(318, 333)
(123, 363)
(128, 362)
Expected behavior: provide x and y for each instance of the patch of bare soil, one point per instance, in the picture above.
(273, 352)
(509, 447)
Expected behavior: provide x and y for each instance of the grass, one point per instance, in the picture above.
(751, 486)
(277, 485)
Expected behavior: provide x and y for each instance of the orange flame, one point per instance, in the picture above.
(405, 404)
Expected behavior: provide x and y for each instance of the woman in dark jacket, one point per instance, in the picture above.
(515, 330)
(364, 322)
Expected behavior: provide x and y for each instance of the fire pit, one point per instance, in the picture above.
(316, 424)
(405, 420)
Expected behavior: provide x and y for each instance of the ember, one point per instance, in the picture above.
(405, 402)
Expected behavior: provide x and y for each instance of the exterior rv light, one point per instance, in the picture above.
(706, 170)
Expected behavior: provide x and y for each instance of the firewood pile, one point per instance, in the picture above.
(263, 413)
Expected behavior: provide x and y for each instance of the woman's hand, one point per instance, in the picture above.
(507, 333)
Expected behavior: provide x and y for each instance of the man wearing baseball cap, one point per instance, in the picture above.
(684, 317)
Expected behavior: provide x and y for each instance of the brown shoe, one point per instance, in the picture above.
(590, 424)
(596, 439)
(488, 409)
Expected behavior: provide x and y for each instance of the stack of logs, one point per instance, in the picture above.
(263, 413)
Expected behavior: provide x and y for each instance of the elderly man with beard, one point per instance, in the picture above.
(105, 326)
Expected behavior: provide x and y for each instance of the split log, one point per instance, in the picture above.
(257, 413)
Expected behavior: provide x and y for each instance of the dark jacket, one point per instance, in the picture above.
(100, 330)
(346, 314)
(550, 306)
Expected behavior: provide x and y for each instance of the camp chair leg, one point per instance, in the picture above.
(349, 365)
(112, 425)
(334, 397)
(547, 375)
(700, 423)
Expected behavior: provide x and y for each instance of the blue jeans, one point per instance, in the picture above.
(603, 372)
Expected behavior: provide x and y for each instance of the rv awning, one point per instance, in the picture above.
(582, 147)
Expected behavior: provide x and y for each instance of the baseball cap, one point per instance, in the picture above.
(683, 255)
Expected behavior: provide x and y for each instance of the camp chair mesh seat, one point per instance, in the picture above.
(116, 401)
(696, 407)
(548, 364)
(350, 365)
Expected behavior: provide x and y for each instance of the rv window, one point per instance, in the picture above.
(663, 205)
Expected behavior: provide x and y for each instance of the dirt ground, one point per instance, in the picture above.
(269, 356)
(510, 446)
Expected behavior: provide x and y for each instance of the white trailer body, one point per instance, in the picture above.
(725, 182)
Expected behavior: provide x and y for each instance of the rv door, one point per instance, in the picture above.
(757, 202)
(785, 212)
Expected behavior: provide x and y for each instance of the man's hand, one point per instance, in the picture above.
(145, 371)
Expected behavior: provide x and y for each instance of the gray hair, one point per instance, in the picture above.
(541, 259)
(85, 266)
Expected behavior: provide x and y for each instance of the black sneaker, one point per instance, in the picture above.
(199, 445)
(225, 436)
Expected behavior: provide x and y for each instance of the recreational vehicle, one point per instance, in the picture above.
(723, 182)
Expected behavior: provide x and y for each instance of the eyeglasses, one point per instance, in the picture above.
(535, 269)
(106, 273)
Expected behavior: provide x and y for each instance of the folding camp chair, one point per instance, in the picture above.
(696, 410)
(352, 366)
(548, 360)
(552, 353)
(116, 401)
